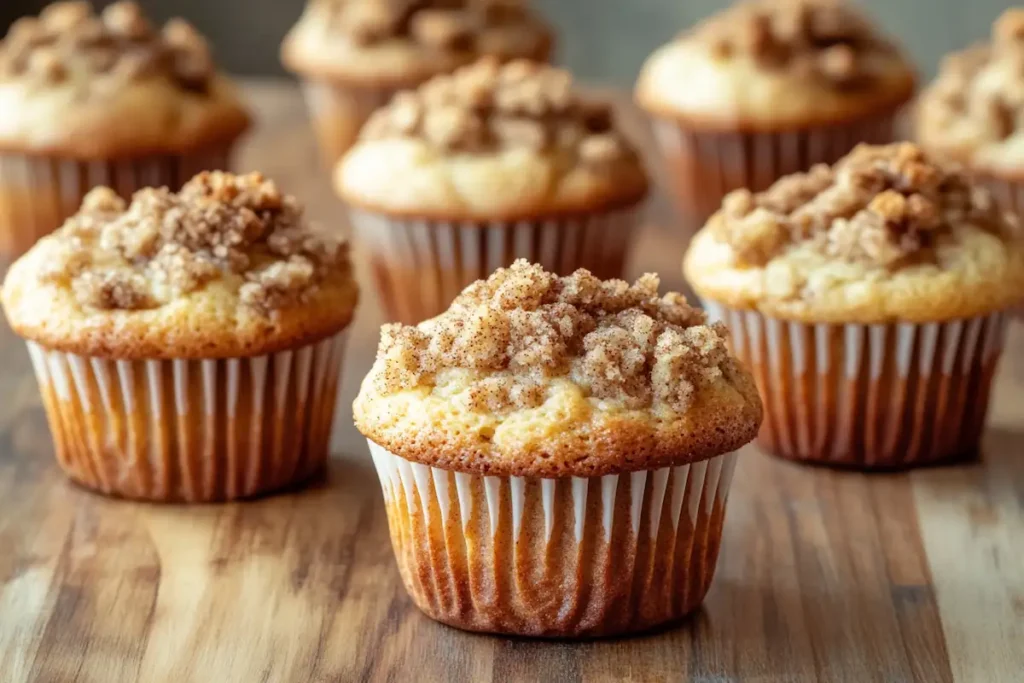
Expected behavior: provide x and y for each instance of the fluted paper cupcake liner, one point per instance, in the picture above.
(191, 430)
(38, 193)
(704, 166)
(869, 396)
(555, 557)
(420, 266)
(338, 111)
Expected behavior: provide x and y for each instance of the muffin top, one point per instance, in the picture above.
(887, 234)
(771, 64)
(400, 43)
(69, 80)
(492, 141)
(974, 110)
(537, 375)
(227, 267)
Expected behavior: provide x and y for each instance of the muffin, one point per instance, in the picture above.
(973, 112)
(765, 89)
(353, 55)
(870, 301)
(187, 345)
(492, 163)
(555, 453)
(93, 100)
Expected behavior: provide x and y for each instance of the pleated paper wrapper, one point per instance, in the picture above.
(38, 193)
(704, 166)
(886, 396)
(191, 430)
(420, 266)
(338, 111)
(555, 557)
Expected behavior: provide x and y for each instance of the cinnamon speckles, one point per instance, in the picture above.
(828, 40)
(165, 245)
(489, 106)
(524, 326)
(117, 46)
(886, 206)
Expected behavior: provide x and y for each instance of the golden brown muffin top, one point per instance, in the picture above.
(533, 374)
(830, 41)
(886, 206)
(227, 266)
(70, 41)
(489, 105)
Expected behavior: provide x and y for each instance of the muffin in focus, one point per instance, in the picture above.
(353, 55)
(973, 113)
(768, 88)
(106, 99)
(870, 301)
(187, 345)
(475, 169)
(555, 453)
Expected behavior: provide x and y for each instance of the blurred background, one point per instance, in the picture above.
(601, 40)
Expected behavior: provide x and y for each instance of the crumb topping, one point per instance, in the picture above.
(165, 245)
(524, 326)
(830, 41)
(489, 105)
(983, 83)
(886, 206)
(117, 46)
(438, 25)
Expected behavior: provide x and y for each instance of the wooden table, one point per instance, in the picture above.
(823, 575)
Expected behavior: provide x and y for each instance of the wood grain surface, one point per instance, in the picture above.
(824, 575)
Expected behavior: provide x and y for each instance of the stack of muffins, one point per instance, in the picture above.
(555, 445)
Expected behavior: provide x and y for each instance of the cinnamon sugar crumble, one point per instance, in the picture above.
(983, 83)
(887, 206)
(489, 105)
(118, 45)
(524, 326)
(164, 245)
(829, 40)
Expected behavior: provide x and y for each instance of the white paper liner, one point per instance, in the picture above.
(191, 430)
(37, 193)
(702, 167)
(869, 396)
(338, 112)
(555, 557)
(420, 266)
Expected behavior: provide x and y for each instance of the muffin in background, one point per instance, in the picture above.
(973, 112)
(555, 453)
(106, 99)
(870, 301)
(353, 55)
(475, 169)
(187, 345)
(768, 88)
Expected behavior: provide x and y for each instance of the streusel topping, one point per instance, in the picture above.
(240, 230)
(830, 41)
(489, 105)
(118, 46)
(885, 206)
(983, 84)
(524, 326)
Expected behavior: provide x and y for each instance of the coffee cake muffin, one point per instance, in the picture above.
(89, 100)
(493, 163)
(973, 113)
(767, 88)
(869, 299)
(187, 345)
(353, 55)
(555, 453)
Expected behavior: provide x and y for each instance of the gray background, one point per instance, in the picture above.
(601, 40)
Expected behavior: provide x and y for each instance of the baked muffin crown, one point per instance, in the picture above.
(526, 344)
(233, 243)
